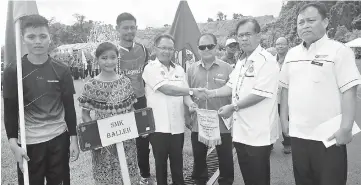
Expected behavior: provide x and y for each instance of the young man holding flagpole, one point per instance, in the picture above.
(48, 120)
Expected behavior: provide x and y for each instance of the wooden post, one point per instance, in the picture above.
(123, 163)
(21, 98)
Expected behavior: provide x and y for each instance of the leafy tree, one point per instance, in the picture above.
(220, 16)
(210, 20)
(237, 16)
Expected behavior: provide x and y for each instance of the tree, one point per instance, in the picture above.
(237, 16)
(166, 25)
(225, 17)
(220, 16)
(341, 33)
(210, 20)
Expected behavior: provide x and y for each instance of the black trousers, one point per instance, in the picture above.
(225, 158)
(76, 73)
(286, 140)
(48, 160)
(314, 164)
(166, 145)
(143, 145)
(254, 162)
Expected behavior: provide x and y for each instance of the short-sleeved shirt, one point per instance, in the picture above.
(316, 78)
(43, 86)
(131, 64)
(256, 125)
(168, 111)
(215, 77)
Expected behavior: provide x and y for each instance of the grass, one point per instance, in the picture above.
(81, 170)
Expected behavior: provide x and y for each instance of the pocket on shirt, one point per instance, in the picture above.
(219, 81)
(316, 73)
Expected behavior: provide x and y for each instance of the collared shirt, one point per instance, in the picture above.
(256, 125)
(168, 111)
(316, 78)
(213, 78)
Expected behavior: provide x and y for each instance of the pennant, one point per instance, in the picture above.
(208, 127)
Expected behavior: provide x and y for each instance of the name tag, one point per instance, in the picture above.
(317, 63)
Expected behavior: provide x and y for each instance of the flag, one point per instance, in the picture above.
(16, 10)
(83, 59)
(185, 30)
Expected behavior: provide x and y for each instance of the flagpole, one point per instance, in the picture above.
(21, 99)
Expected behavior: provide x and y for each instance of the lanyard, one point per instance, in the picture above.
(241, 75)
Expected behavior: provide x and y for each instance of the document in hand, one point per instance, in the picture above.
(328, 128)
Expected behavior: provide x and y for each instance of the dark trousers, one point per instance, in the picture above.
(314, 164)
(76, 73)
(48, 160)
(225, 159)
(167, 145)
(286, 140)
(142, 145)
(254, 162)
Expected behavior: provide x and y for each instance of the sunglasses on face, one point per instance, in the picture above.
(209, 46)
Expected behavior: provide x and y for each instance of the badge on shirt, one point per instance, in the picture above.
(249, 72)
(321, 56)
(162, 73)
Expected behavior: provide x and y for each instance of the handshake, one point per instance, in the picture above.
(203, 93)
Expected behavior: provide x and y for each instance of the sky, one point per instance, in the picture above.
(149, 13)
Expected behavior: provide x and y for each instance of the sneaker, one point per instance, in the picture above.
(287, 149)
(144, 181)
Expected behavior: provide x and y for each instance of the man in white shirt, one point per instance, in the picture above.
(319, 79)
(167, 91)
(253, 85)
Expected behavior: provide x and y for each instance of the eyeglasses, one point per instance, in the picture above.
(247, 35)
(166, 49)
(209, 46)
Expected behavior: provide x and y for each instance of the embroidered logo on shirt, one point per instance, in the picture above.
(53, 81)
(321, 56)
(162, 73)
(317, 63)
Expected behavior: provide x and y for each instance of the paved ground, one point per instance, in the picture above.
(281, 164)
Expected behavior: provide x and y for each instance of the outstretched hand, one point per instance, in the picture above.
(200, 93)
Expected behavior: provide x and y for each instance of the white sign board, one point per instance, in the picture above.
(118, 128)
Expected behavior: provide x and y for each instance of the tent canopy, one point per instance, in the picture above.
(354, 43)
(77, 46)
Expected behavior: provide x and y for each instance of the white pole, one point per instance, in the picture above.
(21, 99)
(123, 163)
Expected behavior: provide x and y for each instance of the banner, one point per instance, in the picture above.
(208, 127)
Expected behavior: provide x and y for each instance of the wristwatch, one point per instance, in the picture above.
(190, 92)
(235, 106)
